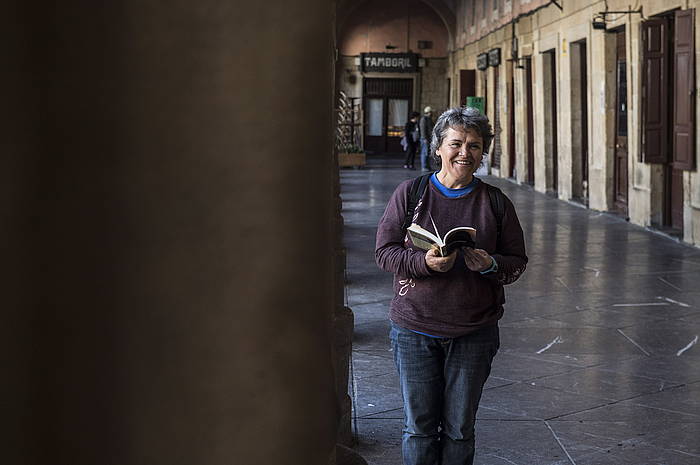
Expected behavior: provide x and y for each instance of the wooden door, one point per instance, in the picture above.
(387, 105)
(530, 121)
(684, 90)
(656, 85)
(583, 55)
(550, 70)
(620, 184)
(511, 122)
(496, 120)
(683, 112)
(579, 122)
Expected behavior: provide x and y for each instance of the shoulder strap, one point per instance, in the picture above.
(498, 206)
(418, 186)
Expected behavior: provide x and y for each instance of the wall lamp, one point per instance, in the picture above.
(600, 20)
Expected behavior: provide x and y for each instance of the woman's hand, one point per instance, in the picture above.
(477, 259)
(438, 263)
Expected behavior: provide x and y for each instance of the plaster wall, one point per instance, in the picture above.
(601, 110)
(434, 90)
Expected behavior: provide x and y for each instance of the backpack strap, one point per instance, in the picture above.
(418, 187)
(498, 206)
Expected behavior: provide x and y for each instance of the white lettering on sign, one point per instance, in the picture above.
(388, 62)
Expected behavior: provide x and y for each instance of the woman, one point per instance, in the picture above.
(445, 310)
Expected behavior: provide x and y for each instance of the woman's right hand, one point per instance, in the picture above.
(438, 263)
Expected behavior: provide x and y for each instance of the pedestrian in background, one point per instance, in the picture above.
(445, 311)
(412, 135)
(426, 133)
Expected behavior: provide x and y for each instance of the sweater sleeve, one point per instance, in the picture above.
(390, 252)
(510, 250)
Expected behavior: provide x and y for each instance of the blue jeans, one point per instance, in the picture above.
(441, 383)
(424, 157)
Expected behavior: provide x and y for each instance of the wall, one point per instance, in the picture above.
(474, 23)
(434, 85)
(549, 28)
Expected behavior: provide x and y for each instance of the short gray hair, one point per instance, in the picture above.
(460, 118)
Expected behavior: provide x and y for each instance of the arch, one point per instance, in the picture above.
(346, 8)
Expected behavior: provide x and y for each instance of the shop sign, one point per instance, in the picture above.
(494, 57)
(482, 61)
(389, 62)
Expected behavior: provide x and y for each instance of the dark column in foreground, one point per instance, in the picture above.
(168, 255)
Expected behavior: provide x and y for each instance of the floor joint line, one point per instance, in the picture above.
(559, 442)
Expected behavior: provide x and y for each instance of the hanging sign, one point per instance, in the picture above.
(389, 62)
(494, 57)
(482, 61)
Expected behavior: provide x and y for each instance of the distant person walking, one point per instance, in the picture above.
(412, 136)
(445, 311)
(426, 132)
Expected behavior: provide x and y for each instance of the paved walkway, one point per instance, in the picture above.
(599, 359)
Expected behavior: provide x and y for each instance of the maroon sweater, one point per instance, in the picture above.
(459, 301)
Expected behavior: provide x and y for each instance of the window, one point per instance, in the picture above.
(374, 115)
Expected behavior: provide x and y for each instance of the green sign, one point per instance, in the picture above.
(476, 102)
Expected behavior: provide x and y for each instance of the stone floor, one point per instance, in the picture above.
(599, 361)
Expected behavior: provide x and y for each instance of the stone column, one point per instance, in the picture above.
(169, 250)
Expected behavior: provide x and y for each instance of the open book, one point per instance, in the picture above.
(464, 236)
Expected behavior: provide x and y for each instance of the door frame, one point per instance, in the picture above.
(415, 92)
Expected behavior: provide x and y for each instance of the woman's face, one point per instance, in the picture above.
(460, 153)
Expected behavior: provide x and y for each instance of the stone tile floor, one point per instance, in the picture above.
(599, 361)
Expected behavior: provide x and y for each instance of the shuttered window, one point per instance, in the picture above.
(655, 90)
(684, 88)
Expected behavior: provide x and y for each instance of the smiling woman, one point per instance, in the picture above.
(445, 311)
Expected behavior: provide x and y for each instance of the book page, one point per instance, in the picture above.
(471, 231)
(419, 231)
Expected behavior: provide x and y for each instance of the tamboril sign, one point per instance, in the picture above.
(389, 62)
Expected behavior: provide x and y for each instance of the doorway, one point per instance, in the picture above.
(530, 116)
(511, 120)
(387, 104)
(550, 120)
(496, 144)
(579, 122)
(620, 178)
(467, 85)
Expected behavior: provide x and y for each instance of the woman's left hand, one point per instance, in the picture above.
(477, 259)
